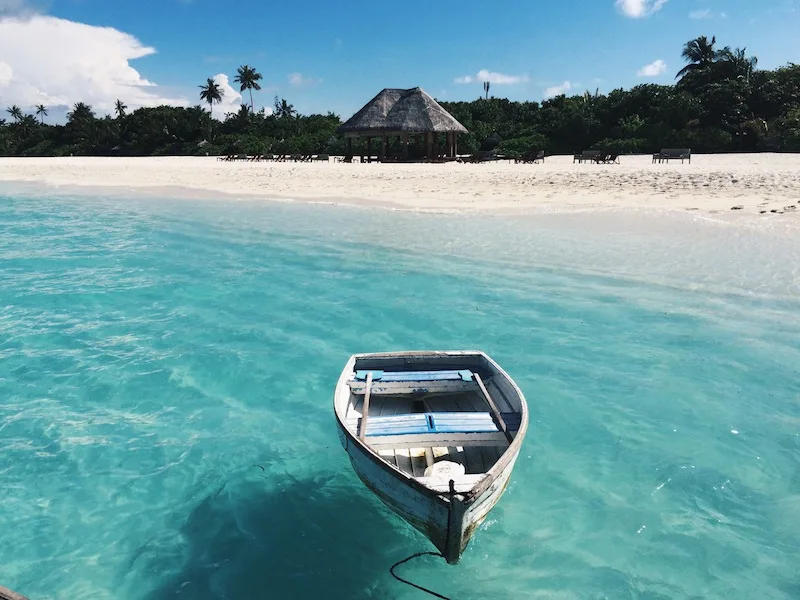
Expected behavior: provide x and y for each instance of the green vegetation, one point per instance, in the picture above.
(248, 78)
(720, 103)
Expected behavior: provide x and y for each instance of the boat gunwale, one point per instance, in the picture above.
(488, 477)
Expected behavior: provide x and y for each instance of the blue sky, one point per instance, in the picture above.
(336, 55)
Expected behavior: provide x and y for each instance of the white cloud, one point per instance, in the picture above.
(13, 7)
(300, 80)
(231, 98)
(557, 90)
(56, 62)
(6, 72)
(493, 77)
(638, 9)
(654, 69)
(701, 14)
(706, 13)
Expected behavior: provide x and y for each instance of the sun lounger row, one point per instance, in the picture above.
(276, 157)
(532, 157)
(669, 154)
(596, 156)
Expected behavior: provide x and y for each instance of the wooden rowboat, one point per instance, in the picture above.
(434, 435)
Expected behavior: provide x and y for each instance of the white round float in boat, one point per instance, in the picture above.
(445, 469)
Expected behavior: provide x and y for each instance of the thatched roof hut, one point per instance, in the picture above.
(396, 112)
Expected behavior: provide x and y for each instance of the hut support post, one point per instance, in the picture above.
(384, 144)
(404, 143)
(367, 148)
(455, 144)
(429, 144)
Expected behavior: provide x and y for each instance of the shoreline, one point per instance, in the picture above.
(763, 185)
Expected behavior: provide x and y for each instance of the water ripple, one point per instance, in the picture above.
(152, 353)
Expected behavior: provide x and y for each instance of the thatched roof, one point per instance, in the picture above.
(395, 111)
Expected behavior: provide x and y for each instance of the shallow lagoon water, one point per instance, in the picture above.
(166, 378)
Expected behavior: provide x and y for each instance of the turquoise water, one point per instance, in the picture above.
(167, 366)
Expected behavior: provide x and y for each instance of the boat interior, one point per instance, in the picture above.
(434, 420)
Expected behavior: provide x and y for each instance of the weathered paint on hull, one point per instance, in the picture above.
(427, 514)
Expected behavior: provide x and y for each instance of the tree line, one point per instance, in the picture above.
(721, 102)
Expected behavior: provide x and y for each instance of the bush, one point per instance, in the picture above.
(622, 146)
(518, 146)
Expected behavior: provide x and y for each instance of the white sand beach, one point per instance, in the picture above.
(761, 184)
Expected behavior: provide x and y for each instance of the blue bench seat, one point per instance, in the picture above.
(397, 425)
(437, 423)
(413, 382)
(403, 376)
(462, 422)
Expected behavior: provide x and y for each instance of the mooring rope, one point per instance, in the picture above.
(451, 493)
(407, 582)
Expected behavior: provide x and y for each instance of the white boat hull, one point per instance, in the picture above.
(447, 517)
(426, 512)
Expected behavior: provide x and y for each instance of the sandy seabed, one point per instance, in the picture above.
(759, 184)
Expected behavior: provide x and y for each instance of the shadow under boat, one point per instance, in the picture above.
(306, 538)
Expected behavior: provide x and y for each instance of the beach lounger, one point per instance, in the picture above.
(531, 157)
(587, 156)
(608, 158)
(668, 154)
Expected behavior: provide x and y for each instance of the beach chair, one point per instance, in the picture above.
(607, 158)
(668, 154)
(587, 156)
(484, 156)
(531, 157)
(322, 158)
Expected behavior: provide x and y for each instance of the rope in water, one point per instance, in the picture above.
(407, 582)
(451, 494)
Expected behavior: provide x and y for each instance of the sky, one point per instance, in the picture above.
(335, 55)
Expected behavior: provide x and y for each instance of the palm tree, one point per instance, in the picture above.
(26, 124)
(15, 112)
(741, 64)
(41, 110)
(486, 86)
(80, 113)
(120, 109)
(700, 54)
(211, 93)
(248, 78)
(283, 109)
